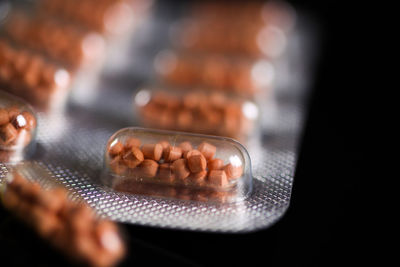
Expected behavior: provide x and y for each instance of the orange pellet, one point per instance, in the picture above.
(133, 157)
(8, 134)
(173, 153)
(165, 145)
(215, 164)
(218, 178)
(186, 147)
(180, 169)
(13, 112)
(3, 116)
(233, 172)
(152, 151)
(191, 153)
(148, 168)
(207, 150)
(197, 163)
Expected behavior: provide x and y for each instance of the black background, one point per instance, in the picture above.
(324, 225)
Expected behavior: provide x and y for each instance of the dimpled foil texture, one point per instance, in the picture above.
(70, 150)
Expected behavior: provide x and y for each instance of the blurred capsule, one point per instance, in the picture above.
(243, 76)
(40, 82)
(208, 113)
(17, 128)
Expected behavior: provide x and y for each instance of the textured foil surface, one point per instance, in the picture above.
(70, 145)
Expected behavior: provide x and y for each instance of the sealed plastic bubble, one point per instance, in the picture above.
(205, 112)
(17, 129)
(250, 28)
(108, 17)
(215, 72)
(177, 165)
(70, 226)
(33, 77)
(277, 13)
(244, 39)
(64, 42)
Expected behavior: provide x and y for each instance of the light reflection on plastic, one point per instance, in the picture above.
(113, 142)
(263, 73)
(21, 121)
(235, 161)
(142, 98)
(271, 41)
(61, 78)
(250, 110)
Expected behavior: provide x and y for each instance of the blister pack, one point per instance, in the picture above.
(75, 146)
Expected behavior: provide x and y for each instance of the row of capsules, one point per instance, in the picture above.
(219, 72)
(48, 47)
(51, 51)
(219, 64)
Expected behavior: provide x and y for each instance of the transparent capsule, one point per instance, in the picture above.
(33, 77)
(63, 42)
(242, 39)
(17, 129)
(106, 17)
(237, 75)
(278, 13)
(205, 112)
(177, 165)
(247, 29)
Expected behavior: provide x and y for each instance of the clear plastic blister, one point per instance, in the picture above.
(33, 77)
(69, 45)
(18, 124)
(104, 16)
(177, 165)
(254, 29)
(242, 76)
(197, 111)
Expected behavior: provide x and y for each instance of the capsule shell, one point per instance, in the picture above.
(209, 165)
(213, 113)
(222, 73)
(116, 149)
(17, 129)
(41, 82)
(72, 46)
